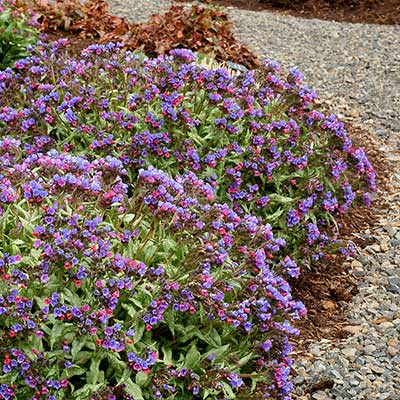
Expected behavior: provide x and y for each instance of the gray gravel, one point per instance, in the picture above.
(356, 70)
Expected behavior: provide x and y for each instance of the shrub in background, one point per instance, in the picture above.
(16, 34)
(201, 29)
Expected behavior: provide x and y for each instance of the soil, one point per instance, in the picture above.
(386, 12)
(327, 289)
(76, 42)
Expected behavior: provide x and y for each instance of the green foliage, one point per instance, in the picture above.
(15, 36)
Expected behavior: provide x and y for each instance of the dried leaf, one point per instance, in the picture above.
(201, 29)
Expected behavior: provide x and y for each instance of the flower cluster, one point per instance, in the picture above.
(83, 281)
(255, 134)
(152, 211)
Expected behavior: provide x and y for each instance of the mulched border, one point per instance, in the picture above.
(382, 12)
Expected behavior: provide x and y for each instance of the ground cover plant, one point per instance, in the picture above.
(256, 134)
(151, 212)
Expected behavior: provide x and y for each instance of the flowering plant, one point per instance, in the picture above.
(142, 296)
(154, 265)
(256, 134)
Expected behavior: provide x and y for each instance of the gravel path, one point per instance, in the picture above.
(356, 69)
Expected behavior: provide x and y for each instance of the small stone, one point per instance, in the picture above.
(356, 264)
(364, 259)
(375, 248)
(393, 280)
(353, 329)
(320, 395)
(369, 349)
(385, 326)
(358, 273)
(396, 360)
(386, 396)
(298, 380)
(384, 246)
(393, 288)
(315, 351)
(349, 351)
(392, 351)
(390, 230)
(377, 369)
(319, 368)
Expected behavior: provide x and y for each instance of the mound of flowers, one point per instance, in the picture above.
(103, 291)
(257, 136)
(151, 211)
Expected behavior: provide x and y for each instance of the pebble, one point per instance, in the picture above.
(377, 370)
(392, 351)
(370, 349)
(320, 395)
(349, 351)
(315, 351)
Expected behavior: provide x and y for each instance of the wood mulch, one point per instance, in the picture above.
(385, 12)
(329, 287)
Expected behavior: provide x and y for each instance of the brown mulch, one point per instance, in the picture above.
(385, 12)
(329, 287)
(75, 43)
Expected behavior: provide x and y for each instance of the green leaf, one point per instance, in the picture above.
(142, 379)
(134, 390)
(139, 330)
(228, 390)
(214, 335)
(77, 345)
(73, 371)
(193, 357)
(275, 215)
(56, 333)
(218, 351)
(128, 218)
(82, 357)
(280, 199)
(94, 373)
(244, 360)
(169, 319)
(167, 355)
(85, 392)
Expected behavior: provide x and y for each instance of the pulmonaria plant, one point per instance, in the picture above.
(151, 211)
(159, 293)
(256, 134)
